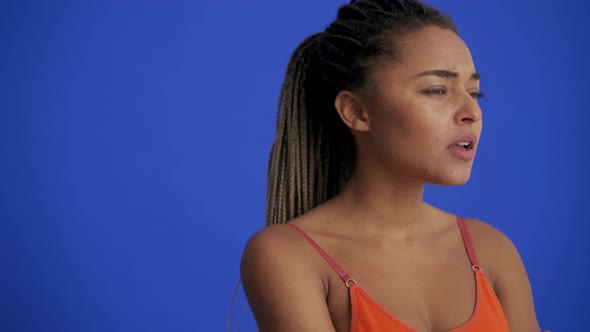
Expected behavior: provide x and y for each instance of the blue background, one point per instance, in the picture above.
(134, 138)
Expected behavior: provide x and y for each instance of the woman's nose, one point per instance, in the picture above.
(469, 111)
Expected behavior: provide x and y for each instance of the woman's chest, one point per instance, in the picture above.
(435, 293)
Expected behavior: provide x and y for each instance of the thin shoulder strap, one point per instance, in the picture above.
(468, 244)
(343, 275)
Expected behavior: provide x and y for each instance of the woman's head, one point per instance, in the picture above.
(409, 114)
(356, 95)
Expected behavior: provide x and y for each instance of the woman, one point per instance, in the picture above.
(382, 102)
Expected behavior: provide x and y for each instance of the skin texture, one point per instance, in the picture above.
(379, 228)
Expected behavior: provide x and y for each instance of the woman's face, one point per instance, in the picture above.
(423, 118)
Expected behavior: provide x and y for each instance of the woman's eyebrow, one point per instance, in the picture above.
(446, 74)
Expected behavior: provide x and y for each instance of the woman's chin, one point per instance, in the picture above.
(455, 179)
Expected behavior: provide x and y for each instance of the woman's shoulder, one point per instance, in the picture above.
(274, 240)
(506, 273)
(484, 233)
(279, 249)
(282, 239)
(493, 247)
(283, 281)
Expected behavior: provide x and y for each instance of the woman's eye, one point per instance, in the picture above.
(477, 95)
(441, 92)
(436, 92)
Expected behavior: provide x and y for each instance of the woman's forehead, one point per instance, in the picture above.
(433, 48)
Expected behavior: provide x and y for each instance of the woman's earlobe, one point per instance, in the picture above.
(351, 111)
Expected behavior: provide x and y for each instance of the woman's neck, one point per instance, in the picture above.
(384, 205)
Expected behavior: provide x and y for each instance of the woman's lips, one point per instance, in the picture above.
(464, 147)
(462, 153)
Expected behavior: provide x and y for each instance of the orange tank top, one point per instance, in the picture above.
(369, 316)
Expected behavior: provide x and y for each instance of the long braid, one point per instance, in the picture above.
(285, 162)
(313, 154)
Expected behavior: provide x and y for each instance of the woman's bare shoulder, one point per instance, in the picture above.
(506, 273)
(282, 240)
(275, 260)
(484, 232)
(493, 247)
(273, 235)
(272, 242)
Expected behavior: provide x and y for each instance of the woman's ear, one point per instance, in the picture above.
(351, 111)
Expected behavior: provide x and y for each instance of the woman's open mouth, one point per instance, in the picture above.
(464, 147)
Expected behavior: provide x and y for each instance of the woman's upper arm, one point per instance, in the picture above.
(282, 285)
(512, 287)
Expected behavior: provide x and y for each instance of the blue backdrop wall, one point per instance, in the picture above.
(135, 137)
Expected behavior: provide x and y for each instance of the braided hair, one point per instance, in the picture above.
(313, 154)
